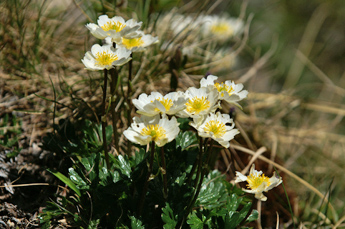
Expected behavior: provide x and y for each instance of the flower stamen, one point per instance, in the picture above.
(113, 25)
(254, 181)
(131, 43)
(105, 58)
(155, 131)
(224, 88)
(217, 128)
(196, 105)
(221, 28)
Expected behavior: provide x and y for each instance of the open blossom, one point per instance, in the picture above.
(221, 28)
(258, 182)
(138, 44)
(146, 129)
(228, 91)
(156, 103)
(215, 127)
(105, 57)
(200, 102)
(115, 28)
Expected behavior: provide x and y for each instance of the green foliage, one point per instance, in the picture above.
(218, 205)
(169, 218)
(81, 139)
(10, 130)
(104, 197)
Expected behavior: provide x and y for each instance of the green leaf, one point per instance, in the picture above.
(136, 223)
(75, 177)
(123, 166)
(194, 221)
(213, 193)
(67, 181)
(93, 224)
(186, 139)
(234, 203)
(168, 217)
(234, 218)
(253, 216)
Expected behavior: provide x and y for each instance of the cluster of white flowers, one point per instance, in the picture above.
(199, 104)
(125, 34)
(202, 37)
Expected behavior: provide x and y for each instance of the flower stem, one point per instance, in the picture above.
(259, 217)
(114, 78)
(114, 117)
(165, 182)
(104, 119)
(201, 154)
(129, 92)
(143, 194)
(202, 176)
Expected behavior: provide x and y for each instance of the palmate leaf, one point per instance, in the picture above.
(195, 222)
(213, 193)
(136, 223)
(123, 165)
(234, 218)
(186, 139)
(168, 217)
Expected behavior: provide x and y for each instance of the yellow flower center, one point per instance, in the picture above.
(155, 131)
(105, 58)
(224, 88)
(255, 181)
(217, 128)
(131, 43)
(196, 105)
(113, 25)
(221, 28)
(167, 103)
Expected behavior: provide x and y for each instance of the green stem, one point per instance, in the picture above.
(104, 119)
(114, 117)
(165, 182)
(143, 194)
(201, 154)
(129, 92)
(114, 78)
(203, 173)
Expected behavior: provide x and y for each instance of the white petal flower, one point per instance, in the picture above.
(146, 129)
(105, 57)
(215, 127)
(258, 182)
(115, 28)
(221, 28)
(228, 91)
(201, 102)
(138, 44)
(156, 103)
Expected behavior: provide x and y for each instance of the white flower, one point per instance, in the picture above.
(115, 28)
(105, 57)
(201, 102)
(181, 24)
(221, 28)
(138, 44)
(156, 103)
(215, 127)
(146, 129)
(228, 91)
(258, 182)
